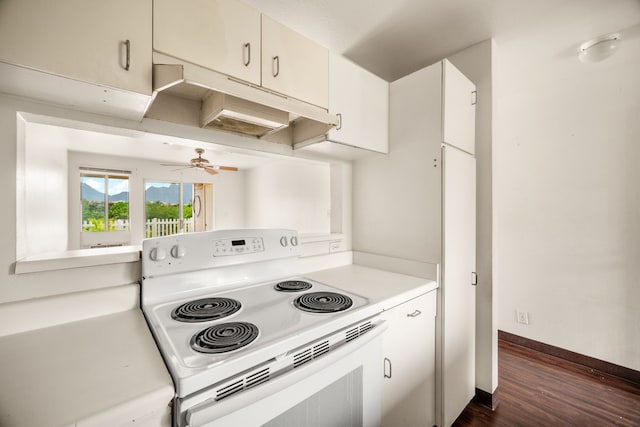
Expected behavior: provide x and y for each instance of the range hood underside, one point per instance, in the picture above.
(194, 96)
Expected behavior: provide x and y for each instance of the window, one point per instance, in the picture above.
(105, 202)
(168, 208)
(104, 198)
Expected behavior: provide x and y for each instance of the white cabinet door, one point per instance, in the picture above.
(459, 109)
(86, 40)
(294, 65)
(223, 35)
(408, 394)
(361, 101)
(458, 295)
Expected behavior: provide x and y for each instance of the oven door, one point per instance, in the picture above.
(341, 388)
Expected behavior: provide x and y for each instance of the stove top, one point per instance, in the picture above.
(225, 302)
(275, 314)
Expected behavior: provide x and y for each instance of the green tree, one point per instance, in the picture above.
(161, 210)
(119, 210)
(93, 210)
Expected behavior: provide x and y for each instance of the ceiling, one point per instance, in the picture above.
(393, 38)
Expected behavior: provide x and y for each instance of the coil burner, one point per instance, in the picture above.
(292, 286)
(203, 310)
(323, 302)
(224, 337)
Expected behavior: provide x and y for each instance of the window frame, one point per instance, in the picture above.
(106, 238)
(181, 219)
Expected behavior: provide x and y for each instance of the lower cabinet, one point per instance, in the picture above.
(408, 393)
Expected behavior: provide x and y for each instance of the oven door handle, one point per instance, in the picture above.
(221, 413)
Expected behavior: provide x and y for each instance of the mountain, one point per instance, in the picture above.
(169, 194)
(91, 194)
(120, 197)
(153, 194)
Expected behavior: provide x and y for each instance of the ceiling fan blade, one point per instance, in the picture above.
(202, 163)
(210, 170)
(176, 164)
(227, 168)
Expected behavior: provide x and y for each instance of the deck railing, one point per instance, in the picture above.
(155, 227)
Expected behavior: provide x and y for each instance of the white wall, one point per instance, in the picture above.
(25, 286)
(475, 62)
(45, 187)
(566, 183)
(289, 194)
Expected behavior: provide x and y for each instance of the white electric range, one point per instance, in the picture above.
(237, 324)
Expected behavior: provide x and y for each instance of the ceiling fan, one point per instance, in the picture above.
(202, 163)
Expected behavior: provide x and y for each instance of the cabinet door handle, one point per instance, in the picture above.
(246, 54)
(474, 97)
(275, 66)
(127, 63)
(339, 126)
(387, 362)
(416, 313)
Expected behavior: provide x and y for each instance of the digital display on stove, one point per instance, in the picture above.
(237, 243)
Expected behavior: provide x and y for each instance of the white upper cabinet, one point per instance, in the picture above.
(294, 65)
(106, 43)
(231, 38)
(459, 109)
(221, 35)
(361, 101)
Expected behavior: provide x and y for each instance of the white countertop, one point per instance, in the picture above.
(95, 372)
(107, 370)
(381, 287)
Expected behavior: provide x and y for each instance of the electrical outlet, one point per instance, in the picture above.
(523, 317)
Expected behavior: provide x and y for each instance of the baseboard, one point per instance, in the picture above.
(484, 398)
(622, 372)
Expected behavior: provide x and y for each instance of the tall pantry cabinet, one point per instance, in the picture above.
(418, 203)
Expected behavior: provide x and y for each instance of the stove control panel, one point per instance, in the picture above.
(189, 252)
(226, 247)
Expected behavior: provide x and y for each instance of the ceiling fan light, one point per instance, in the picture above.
(599, 49)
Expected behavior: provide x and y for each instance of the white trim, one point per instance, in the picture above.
(77, 258)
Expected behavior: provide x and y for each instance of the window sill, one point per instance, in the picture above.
(77, 259)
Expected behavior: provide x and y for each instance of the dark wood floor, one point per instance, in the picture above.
(536, 389)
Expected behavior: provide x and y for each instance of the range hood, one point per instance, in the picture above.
(188, 94)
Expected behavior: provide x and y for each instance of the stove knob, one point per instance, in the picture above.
(283, 241)
(294, 241)
(157, 254)
(178, 251)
